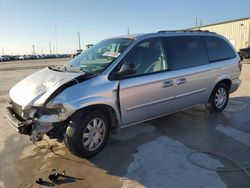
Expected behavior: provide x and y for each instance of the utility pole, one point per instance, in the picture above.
(198, 25)
(79, 40)
(200, 22)
(128, 31)
(34, 51)
(56, 38)
(50, 51)
(3, 50)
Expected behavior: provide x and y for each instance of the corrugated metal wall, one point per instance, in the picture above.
(237, 32)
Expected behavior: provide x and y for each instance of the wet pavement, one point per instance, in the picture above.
(151, 154)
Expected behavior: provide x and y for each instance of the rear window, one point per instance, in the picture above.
(218, 49)
(185, 51)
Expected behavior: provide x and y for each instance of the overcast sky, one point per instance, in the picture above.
(27, 22)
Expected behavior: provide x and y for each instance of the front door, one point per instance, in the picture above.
(150, 91)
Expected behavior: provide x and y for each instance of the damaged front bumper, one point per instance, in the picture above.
(20, 125)
(38, 127)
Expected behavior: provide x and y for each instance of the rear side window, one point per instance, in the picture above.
(185, 51)
(218, 49)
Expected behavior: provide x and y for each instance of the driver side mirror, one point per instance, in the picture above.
(126, 69)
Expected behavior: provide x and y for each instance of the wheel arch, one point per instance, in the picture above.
(226, 78)
(108, 110)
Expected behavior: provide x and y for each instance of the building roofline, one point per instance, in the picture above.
(218, 23)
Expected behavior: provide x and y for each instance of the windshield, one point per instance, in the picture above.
(95, 59)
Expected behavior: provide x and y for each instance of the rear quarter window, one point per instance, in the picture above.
(218, 49)
(185, 51)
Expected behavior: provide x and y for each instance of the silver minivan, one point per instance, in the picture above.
(123, 81)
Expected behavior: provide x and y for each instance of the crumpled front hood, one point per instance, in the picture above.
(36, 88)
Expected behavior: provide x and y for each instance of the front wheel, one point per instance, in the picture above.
(87, 134)
(219, 98)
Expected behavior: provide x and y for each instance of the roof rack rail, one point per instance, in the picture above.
(165, 31)
(194, 30)
(185, 30)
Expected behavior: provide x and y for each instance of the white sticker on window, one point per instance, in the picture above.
(111, 54)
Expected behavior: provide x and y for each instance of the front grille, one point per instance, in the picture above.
(17, 108)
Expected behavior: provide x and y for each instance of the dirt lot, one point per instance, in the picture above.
(152, 154)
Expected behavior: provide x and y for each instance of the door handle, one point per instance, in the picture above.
(181, 81)
(168, 83)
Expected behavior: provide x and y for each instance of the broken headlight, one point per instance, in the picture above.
(50, 109)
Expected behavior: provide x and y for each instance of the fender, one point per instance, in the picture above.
(88, 93)
(97, 100)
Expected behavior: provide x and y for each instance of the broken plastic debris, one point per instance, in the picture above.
(40, 181)
(53, 177)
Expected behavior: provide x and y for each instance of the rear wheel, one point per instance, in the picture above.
(87, 133)
(219, 98)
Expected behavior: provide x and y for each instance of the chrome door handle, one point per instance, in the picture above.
(168, 83)
(181, 81)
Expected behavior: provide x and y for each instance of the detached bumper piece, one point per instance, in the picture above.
(20, 125)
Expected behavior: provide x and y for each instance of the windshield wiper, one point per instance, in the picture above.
(59, 69)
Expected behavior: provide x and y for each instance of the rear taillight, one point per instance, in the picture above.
(240, 65)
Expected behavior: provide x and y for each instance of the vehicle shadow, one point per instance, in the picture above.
(195, 128)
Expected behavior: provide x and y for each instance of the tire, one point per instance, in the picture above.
(83, 131)
(216, 104)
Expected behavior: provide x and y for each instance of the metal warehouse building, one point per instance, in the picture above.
(236, 31)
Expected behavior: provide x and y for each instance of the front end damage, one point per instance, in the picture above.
(31, 111)
(50, 121)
